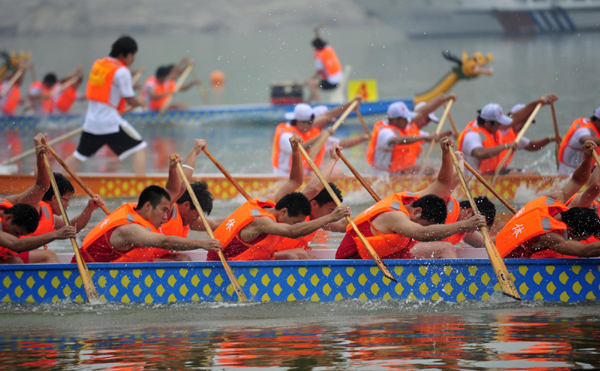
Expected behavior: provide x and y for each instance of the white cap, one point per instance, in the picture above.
(493, 112)
(597, 113)
(302, 112)
(320, 110)
(399, 109)
(431, 116)
(516, 107)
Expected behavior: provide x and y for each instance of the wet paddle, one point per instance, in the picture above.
(54, 141)
(384, 269)
(438, 130)
(489, 186)
(358, 176)
(227, 175)
(556, 135)
(230, 274)
(73, 174)
(137, 76)
(517, 140)
(454, 130)
(178, 86)
(506, 282)
(200, 87)
(364, 124)
(316, 148)
(88, 284)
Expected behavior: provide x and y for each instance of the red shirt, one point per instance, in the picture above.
(235, 248)
(348, 250)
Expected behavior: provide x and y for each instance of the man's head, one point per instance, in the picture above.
(302, 117)
(399, 115)
(318, 43)
(293, 208)
(154, 205)
(124, 49)
(186, 207)
(424, 120)
(49, 80)
(485, 207)
(582, 222)
(428, 210)
(517, 125)
(323, 204)
(20, 220)
(492, 119)
(595, 118)
(162, 72)
(66, 190)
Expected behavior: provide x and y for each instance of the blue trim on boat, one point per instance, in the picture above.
(534, 19)
(546, 20)
(567, 18)
(557, 20)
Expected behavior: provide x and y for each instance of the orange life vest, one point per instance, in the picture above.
(160, 88)
(330, 61)
(296, 243)
(66, 98)
(453, 208)
(389, 243)
(231, 227)
(535, 219)
(101, 81)
(11, 99)
(46, 223)
(4, 252)
(122, 216)
(281, 129)
(508, 138)
(576, 125)
(175, 227)
(403, 156)
(47, 103)
(306, 136)
(487, 165)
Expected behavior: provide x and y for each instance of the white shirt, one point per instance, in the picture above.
(36, 105)
(104, 119)
(382, 158)
(573, 154)
(473, 140)
(336, 78)
(285, 153)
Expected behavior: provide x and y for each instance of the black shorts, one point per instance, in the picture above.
(121, 143)
(326, 85)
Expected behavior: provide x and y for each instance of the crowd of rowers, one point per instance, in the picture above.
(426, 224)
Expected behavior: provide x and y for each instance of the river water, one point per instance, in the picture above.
(347, 335)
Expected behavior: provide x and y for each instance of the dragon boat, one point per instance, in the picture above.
(469, 278)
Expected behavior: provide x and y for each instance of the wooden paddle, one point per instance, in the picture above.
(438, 130)
(54, 141)
(227, 175)
(64, 86)
(454, 130)
(230, 274)
(316, 148)
(506, 283)
(178, 86)
(358, 176)
(384, 269)
(11, 82)
(489, 186)
(73, 175)
(137, 76)
(517, 140)
(88, 284)
(556, 135)
(364, 124)
(200, 87)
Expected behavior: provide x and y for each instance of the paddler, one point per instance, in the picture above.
(67, 96)
(108, 90)
(395, 224)
(329, 72)
(582, 130)
(12, 97)
(157, 88)
(41, 94)
(547, 228)
(255, 229)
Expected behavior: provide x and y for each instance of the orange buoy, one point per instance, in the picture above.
(217, 80)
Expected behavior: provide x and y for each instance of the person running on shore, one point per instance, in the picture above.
(18, 221)
(583, 129)
(394, 147)
(255, 229)
(329, 72)
(12, 97)
(394, 225)
(159, 87)
(108, 90)
(129, 231)
(546, 228)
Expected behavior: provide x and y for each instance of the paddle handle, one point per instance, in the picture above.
(501, 164)
(357, 175)
(68, 83)
(11, 82)
(88, 284)
(364, 124)
(316, 148)
(438, 130)
(54, 141)
(454, 130)
(556, 134)
(489, 186)
(74, 175)
(178, 86)
(200, 87)
(137, 76)
(506, 283)
(384, 269)
(227, 175)
(230, 274)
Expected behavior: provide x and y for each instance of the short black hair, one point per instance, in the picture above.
(163, 71)
(583, 222)
(50, 79)
(485, 207)
(324, 197)
(294, 122)
(205, 198)
(24, 216)
(318, 43)
(594, 118)
(296, 203)
(64, 187)
(433, 208)
(153, 194)
(124, 46)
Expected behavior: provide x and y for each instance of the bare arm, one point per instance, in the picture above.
(432, 105)
(20, 245)
(339, 226)
(197, 225)
(558, 243)
(442, 187)
(314, 186)
(579, 177)
(189, 85)
(400, 223)
(352, 141)
(482, 153)
(34, 194)
(322, 120)
(127, 236)
(296, 173)
(134, 102)
(408, 139)
(80, 221)
(586, 198)
(474, 239)
(536, 145)
(174, 183)
(190, 159)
